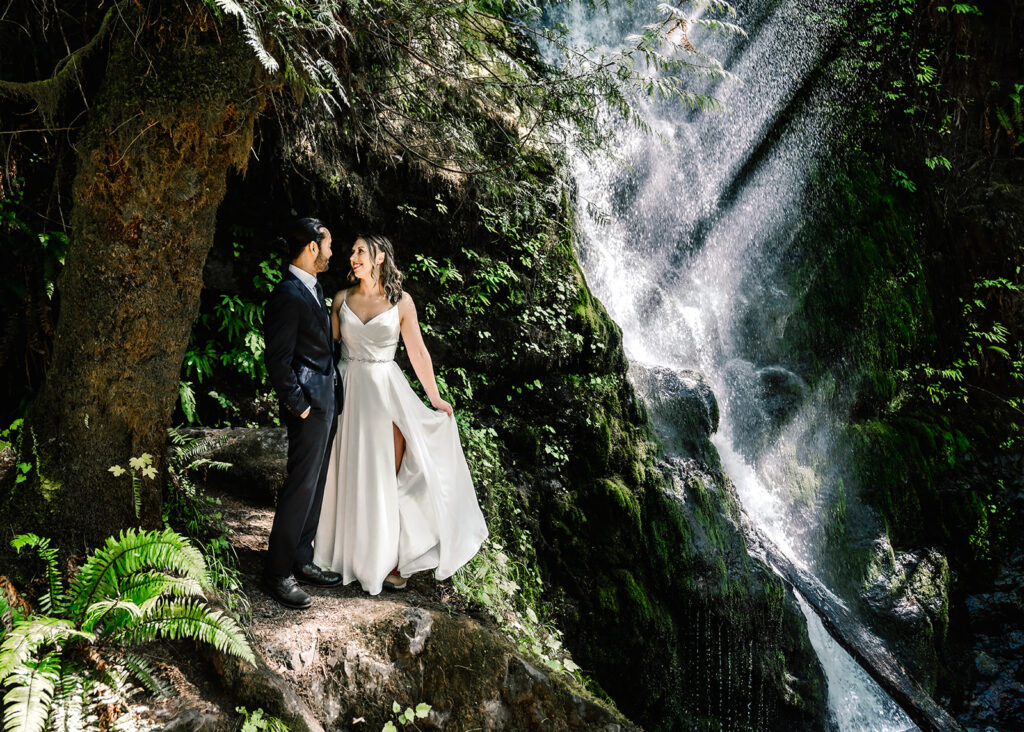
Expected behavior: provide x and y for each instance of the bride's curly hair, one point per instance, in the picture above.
(389, 274)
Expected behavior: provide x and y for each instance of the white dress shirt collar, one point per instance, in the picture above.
(304, 277)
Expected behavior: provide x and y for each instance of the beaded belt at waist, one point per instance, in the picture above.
(367, 360)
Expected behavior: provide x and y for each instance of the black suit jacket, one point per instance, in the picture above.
(299, 347)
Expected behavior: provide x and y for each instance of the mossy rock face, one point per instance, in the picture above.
(373, 653)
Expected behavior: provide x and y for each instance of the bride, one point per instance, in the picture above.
(399, 498)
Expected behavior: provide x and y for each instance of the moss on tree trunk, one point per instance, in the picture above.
(174, 113)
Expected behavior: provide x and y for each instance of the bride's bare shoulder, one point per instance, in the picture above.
(339, 297)
(406, 305)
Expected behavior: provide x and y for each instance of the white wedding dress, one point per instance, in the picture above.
(426, 517)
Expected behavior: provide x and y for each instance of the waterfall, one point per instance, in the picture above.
(685, 238)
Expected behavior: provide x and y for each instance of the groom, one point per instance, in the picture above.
(297, 330)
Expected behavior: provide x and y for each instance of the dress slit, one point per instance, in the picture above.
(422, 516)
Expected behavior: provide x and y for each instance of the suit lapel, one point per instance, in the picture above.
(318, 307)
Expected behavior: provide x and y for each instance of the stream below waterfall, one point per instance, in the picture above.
(683, 240)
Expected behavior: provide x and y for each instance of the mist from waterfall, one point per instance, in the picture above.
(685, 239)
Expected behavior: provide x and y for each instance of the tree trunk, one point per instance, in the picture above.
(175, 111)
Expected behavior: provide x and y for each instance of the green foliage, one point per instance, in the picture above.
(74, 656)
(197, 515)
(993, 518)
(406, 717)
(507, 584)
(45, 250)
(988, 352)
(141, 465)
(227, 343)
(34, 258)
(258, 721)
(10, 438)
(1011, 116)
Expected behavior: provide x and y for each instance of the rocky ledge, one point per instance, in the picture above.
(347, 660)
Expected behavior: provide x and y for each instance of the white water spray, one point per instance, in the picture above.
(683, 245)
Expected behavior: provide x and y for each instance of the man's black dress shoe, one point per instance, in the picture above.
(310, 574)
(287, 592)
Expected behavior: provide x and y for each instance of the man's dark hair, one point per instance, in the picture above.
(298, 234)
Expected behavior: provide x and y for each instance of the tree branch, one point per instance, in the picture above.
(48, 93)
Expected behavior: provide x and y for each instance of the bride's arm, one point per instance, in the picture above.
(339, 298)
(419, 357)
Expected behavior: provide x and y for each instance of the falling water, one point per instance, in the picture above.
(684, 245)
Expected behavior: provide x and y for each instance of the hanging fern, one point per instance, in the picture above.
(250, 31)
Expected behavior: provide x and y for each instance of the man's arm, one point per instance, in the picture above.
(280, 330)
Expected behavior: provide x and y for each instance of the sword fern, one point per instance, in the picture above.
(61, 664)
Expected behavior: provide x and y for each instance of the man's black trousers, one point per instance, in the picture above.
(298, 504)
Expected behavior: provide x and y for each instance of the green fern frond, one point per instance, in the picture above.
(28, 635)
(110, 614)
(190, 619)
(143, 586)
(187, 398)
(190, 451)
(54, 600)
(71, 708)
(143, 670)
(133, 551)
(27, 704)
(113, 684)
(250, 31)
(252, 39)
(1004, 119)
(136, 495)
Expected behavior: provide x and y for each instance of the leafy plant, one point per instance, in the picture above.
(255, 721)
(495, 582)
(406, 717)
(227, 342)
(987, 345)
(197, 515)
(75, 654)
(141, 465)
(11, 438)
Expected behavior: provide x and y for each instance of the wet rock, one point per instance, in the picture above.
(996, 618)
(909, 594)
(780, 392)
(683, 408)
(760, 402)
(986, 665)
